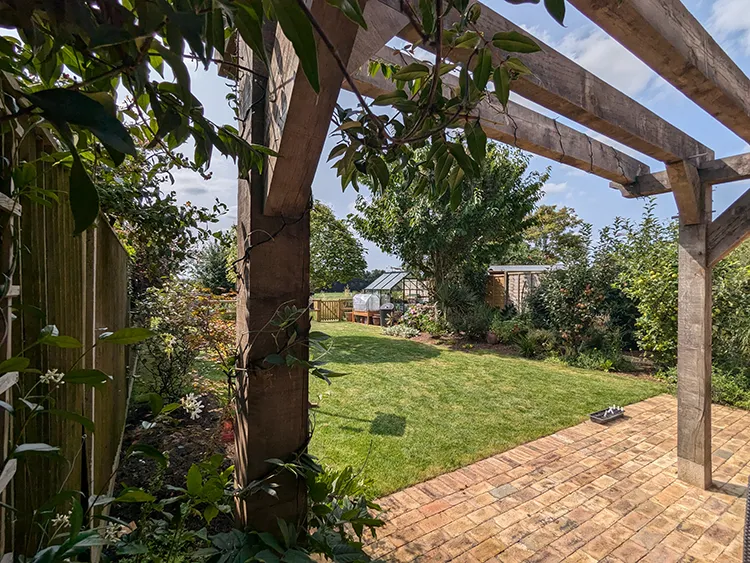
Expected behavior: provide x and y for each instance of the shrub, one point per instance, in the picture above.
(188, 322)
(401, 330)
(600, 360)
(476, 322)
(508, 331)
(425, 318)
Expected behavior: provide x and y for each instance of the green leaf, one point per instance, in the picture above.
(275, 360)
(483, 68)
(514, 42)
(502, 85)
(69, 106)
(210, 513)
(476, 139)
(412, 72)
(84, 197)
(92, 377)
(84, 421)
(515, 64)
(556, 9)
(249, 21)
(126, 336)
(135, 495)
(380, 169)
(390, 98)
(194, 481)
(7, 407)
(35, 448)
(76, 518)
(468, 40)
(148, 451)
(351, 9)
(154, 400)
(14, 364)
(299, 31)
(61, 341)
(180, 71)
(463, 160)
(427, 11)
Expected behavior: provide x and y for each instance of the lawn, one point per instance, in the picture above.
(413, 411)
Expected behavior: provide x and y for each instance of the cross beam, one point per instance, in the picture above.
(524, 128)
(712, 172)
(561, 85)
(729, 229)
(666, 36)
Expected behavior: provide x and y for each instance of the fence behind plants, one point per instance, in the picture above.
(331, 310)
(80, 284)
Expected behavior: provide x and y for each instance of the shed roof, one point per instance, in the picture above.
(387, 281)
(525, 268)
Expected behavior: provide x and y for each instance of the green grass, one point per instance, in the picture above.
(330, 295)
(414, 411)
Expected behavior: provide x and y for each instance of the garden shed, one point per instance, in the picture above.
(512, 284)
(398, 286)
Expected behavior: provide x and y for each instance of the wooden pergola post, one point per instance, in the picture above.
(272, 403)
(693, 326)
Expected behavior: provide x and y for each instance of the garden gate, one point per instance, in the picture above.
(287, 114)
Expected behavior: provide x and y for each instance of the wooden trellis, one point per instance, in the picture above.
(294, 120)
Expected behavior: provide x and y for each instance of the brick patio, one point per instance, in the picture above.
(587, 493)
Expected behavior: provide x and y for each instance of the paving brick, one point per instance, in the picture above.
(587, 493)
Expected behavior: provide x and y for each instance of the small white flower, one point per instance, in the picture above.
(62, 520)
(52, 376)
(192, 405)
(112, 532)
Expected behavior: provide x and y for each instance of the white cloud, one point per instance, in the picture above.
(603, 56)
(555, 188)
(730, 20)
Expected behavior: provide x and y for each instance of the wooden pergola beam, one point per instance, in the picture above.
(729, 229)
(298, 118)
(713, 172)
(668, 38)
(524, 128)
(561, 85)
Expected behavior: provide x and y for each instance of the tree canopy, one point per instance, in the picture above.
(439, 240)
(335, 253)
(555, 235)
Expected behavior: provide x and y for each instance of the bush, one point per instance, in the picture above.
(424, 318)
(169, 357)
(476, 322)
(600, 360)
(508, 331)
(401, 330)
(188, 323)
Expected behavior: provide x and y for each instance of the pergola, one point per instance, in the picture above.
(279, 107)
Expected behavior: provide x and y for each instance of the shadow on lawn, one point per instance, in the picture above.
(373, 350)
(384, 424)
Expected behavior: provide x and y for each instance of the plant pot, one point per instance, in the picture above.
(492, 338)
(601, 418)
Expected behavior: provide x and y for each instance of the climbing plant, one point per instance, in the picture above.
(67, 64)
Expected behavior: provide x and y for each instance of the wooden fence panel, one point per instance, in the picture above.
(111, 313)
(80, 284)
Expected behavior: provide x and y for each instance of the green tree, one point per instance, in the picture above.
(440, 240)
(158, 233)
(335, 253)
(556, 235)
(210, 268)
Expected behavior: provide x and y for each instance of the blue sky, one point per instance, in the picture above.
(727, 20)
